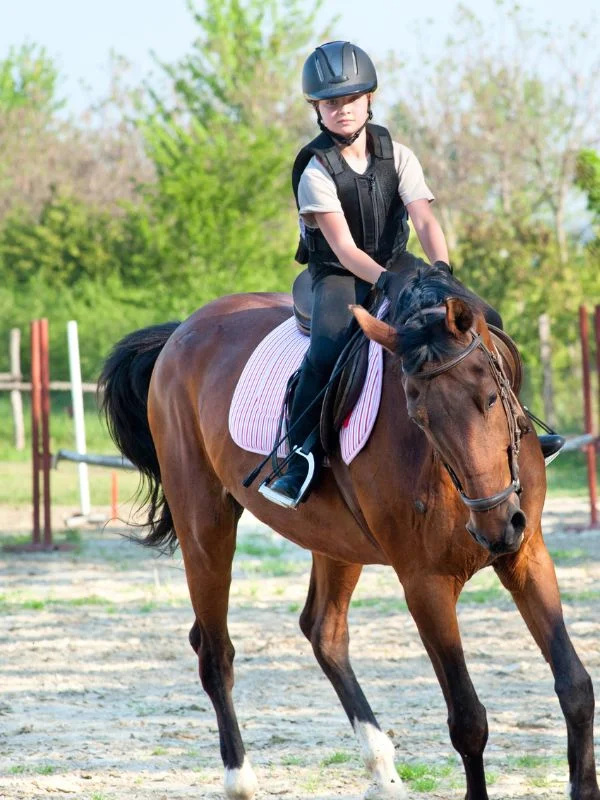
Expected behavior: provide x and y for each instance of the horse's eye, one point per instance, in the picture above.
(492, 399)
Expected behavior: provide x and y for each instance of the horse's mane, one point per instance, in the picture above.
(419, 315)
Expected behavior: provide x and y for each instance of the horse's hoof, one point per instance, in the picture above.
(241, 784)
(391, 791)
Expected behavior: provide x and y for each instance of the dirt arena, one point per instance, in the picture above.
(100, 698)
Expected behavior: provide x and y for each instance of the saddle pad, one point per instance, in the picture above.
(258, 397)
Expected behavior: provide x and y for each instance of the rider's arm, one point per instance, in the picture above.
(428, 230)
(334, 228)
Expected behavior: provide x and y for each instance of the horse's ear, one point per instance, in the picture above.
(483, 330)
(459, 317)
(375, 329)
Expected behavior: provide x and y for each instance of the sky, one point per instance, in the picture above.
(80, 34)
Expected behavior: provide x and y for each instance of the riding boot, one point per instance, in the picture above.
(291, 488)
(551, 444)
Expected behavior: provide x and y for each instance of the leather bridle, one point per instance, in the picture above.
(512, 410)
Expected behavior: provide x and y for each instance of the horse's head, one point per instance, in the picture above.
(458, 394)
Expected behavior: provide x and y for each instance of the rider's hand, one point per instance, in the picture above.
(391, 284)
(443, 265)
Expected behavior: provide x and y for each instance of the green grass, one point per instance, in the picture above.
(19, 601)
(336, 758)
(293, 761)
(259, 547)
(423, 777)
(567, 555)
(568, 475)
(386, 605)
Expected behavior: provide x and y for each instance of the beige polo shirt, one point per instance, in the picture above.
(317, 192)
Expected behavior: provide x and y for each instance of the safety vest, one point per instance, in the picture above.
(376, 215)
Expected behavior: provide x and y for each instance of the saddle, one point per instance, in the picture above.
(342, 395)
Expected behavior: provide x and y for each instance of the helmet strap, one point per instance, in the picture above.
(337, 137)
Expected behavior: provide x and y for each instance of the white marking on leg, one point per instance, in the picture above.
(241, 784)
(378, 753)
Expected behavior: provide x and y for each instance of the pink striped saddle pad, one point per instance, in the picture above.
(258, 397)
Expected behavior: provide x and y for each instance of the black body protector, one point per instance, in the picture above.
(376, 215)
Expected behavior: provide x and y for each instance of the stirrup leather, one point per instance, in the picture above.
(282, 500)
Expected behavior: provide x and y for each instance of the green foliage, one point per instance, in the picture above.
(29, 79)
(588, 179)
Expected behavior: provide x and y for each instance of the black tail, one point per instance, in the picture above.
(125, 380)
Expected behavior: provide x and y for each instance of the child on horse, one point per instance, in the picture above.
(356, 190)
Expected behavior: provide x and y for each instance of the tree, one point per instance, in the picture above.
(222, 145)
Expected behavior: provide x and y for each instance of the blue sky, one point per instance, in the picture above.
(81, 33)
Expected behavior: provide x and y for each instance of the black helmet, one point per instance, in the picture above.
(337, 69)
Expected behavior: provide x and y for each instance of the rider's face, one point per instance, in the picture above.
(344, 115)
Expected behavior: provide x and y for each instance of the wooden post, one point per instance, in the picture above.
(36, 411)
(587, 412)
(546, 359)
(16, 398)
(597, 331)
(45, 381)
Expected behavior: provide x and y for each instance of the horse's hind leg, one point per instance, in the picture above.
(324, 622)
(529, 576)
(205, 518)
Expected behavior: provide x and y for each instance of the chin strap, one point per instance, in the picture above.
(337, 137)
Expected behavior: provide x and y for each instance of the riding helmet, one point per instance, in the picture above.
(337, 69)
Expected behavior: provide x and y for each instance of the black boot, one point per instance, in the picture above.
(291, 488)
(551, 444)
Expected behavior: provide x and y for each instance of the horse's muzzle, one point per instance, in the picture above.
(510, 537)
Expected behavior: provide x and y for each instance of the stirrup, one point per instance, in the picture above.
(282, 500)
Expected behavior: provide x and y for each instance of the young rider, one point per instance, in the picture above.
(356, 190)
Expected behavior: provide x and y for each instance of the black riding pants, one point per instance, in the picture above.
(332, 325)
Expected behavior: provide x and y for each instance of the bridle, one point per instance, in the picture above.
(512, 410)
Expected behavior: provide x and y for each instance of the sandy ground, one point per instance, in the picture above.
(100, 698)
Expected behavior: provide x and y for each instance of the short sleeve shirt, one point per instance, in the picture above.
(317, 193)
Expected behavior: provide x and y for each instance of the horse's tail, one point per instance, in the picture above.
(125, 381)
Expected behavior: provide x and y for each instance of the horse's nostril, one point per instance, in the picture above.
(518, 522)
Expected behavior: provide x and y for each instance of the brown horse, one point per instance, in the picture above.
(460, 490)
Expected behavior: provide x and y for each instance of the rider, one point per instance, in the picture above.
(356, 190)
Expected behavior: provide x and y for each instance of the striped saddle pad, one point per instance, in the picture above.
(258, 397)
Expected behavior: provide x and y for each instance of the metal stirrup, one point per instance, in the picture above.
(282, 500)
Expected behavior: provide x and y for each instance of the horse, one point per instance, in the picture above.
(452, 480)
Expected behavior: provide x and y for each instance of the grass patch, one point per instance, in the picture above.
(293, 608)
(259, 547)
(423, 777)
(159, 751)
(293, 761)
(567, 475)
(273, 568)
(386, 605)
(18, 769)
(567, 555)
(336, 758)
(20, 601)
(584, 596)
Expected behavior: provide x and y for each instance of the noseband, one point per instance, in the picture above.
(512, 411)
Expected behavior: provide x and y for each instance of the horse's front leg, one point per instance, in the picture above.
(432, 603)
(530, 577)
(324, 622)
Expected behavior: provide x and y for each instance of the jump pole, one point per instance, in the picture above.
(78, 416)
(587, 412)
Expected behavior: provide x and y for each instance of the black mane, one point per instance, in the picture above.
(419, 315)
